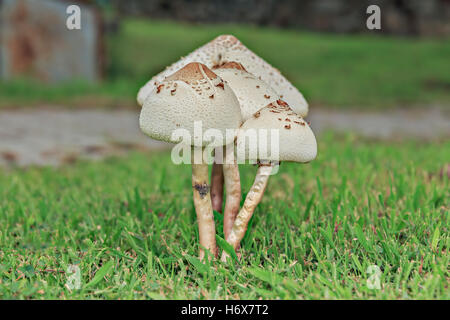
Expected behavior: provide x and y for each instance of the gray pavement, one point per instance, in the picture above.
(54, 136)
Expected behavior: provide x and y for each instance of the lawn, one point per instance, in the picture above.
(363, 71)
(129, 225)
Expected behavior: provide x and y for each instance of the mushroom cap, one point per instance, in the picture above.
(253, 94)
(296, 142)
(193, 93)
(227, 48)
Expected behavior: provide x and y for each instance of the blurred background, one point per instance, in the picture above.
(66, 93)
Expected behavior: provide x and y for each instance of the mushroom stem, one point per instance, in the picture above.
(217, 187)
(233, 192)
(253, 198)
(203, 206)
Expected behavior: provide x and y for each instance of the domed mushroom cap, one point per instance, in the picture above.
(194, 93)
(272, 76)
(227, 48)
(296, 140)
(209, 54)
(252, 93)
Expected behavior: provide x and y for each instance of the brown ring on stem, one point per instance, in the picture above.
(202, 203)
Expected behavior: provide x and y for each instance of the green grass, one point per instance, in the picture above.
(362, 71)
(129, 224)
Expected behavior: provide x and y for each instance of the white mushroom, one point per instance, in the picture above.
(296, 143)
(227, 48)
(253, 94)
(193, 93)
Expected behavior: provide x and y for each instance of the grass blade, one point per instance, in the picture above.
(103, 271)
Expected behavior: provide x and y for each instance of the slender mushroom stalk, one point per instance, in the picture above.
(193, 98)
(295, 142)
(217, 181)
(203, 206)
(253, 198)
(253, 94)
(233, 191)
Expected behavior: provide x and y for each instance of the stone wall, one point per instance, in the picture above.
(402, 17)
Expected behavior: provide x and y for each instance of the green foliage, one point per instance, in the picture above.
(318, 229)
(360, 71)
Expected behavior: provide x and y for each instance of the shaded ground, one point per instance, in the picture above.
(424, 123)
(60, 136)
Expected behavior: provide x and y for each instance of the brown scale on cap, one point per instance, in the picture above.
(257, 114)
(230, 65)
(192, 73)
(228, 39)
(158, 89)
(172, 92)
(211, 96)
(282, 103)
(220, 84)
(288, 126)
(266, 96)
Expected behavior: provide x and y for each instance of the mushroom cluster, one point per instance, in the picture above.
(226, 87)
